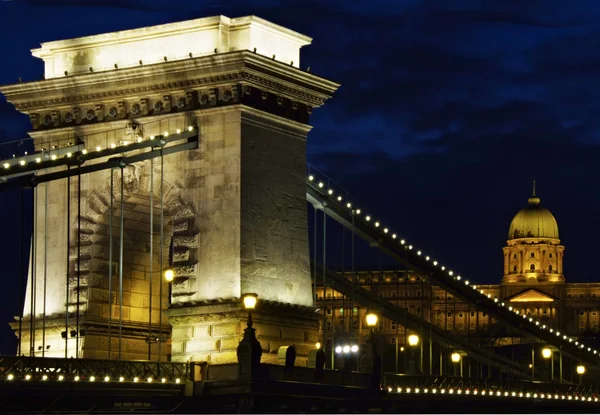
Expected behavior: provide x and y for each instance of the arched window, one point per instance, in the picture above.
(532, 267)
(515, 268)
(532, 255)
(550, 255)
(515, 256)
(550, 268)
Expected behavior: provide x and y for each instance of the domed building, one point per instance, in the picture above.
(534, 254)
(533, 282)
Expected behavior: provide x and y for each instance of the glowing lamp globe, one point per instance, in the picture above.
(169, 274)
(455, 357)
(371, 319)
(546, 353)
(580, 370)
(250, 301)
(413, 340)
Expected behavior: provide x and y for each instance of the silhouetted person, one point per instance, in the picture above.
(376, 374)
(290, 359)
(320, 364)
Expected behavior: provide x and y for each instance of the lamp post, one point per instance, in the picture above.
(413, 342)
(580, 372)
(547, 353)
(371, 359)
(249, 350)
(456, 359)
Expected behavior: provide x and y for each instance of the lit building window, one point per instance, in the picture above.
(532, 267)
(532, 255)
(550, 255)
(550, 268)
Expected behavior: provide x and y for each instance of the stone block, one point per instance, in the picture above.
(202, 331)
(193, 346)
(268, 330)
(227, 329)
(225, 357)
(177, 347)
(200, 357)
(292, 334)
(230, 343)
(140, 286)
(139, 314)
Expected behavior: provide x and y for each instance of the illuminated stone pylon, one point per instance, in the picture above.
(235, 208)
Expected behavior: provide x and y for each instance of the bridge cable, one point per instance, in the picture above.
(110, 260)
(33, 275)
(151, 258)
(78, 258)
(162, 243)
(121, 261)
(315, 262)
(352, 317)
(68, 265)
(45, 269)
(22, 276)
(325, 283)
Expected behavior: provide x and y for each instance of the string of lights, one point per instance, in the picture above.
(329, 193)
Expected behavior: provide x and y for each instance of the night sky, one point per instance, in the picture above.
(447, 111)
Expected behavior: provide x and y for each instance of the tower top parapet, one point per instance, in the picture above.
(172, 41)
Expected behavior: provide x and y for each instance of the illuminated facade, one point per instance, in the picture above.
(533, 283)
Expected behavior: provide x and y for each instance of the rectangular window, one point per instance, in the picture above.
(328, 295)
(341, 311)
(381, 325)
(472, 314)
(393, 325)
(460, 315)
(393, 340)
(355, 311)
(449, 314)
(582, 313)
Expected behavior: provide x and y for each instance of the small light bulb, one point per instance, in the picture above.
(106, 378)
(60, 378)
(22, 162)
(377, 224)
(339, 198)
(112, 145)
(6, 165)
(121, 379)
(92, 378)
(10, 377)
(139, 139)
(177, 380)
(27, 377)
(98, 148)
(84, 151)
(135, 379)
(38, 160)
(69, 154)
(178, 131)
(358, 211)
(385, 230)
(330, 191)
(393, 236)
(311, 178)
(45, 377)
(321, 184)
(76, 378)
(348, 205)
(150, 380)
(166, 134)
(151, 137)
(163, 380)
(190, 128)
(402, 241)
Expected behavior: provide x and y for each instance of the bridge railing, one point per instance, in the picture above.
(47, 368)
(395, 383)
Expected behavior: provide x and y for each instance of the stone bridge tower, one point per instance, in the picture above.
(235, 208)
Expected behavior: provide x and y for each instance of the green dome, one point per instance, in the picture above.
(534, 221)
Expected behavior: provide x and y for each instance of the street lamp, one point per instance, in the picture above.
(547, 354)
(580, 372)
(413, 341)
(169, 274)
(249, 350)
(457, 360)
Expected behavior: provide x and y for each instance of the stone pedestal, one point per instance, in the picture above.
(212, 332)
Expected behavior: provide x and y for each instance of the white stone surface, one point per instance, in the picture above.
(174, 41)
